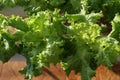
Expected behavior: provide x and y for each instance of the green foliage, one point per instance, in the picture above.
(57, 36)
(56, 3)
(13, 3)
(49, 37)
(108, 7)
(115, 33)
(33, 6)
(18, 23)
(108, 51)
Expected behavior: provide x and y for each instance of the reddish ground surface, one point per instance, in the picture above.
(9, 71)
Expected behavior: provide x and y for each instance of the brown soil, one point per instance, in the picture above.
(116, 68)
(108, 24)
